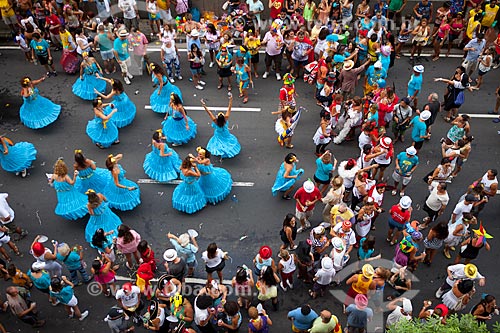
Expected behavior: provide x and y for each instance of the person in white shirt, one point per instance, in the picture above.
(129, 300)
(273, 40)
(204, 312)
(464, 206)
(460, 272)
(7, 216)
(398, 313)
(323, 277)
(130, 11)
(214, 259)
(435, 204)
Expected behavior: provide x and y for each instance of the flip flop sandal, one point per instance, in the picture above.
(245, 100)
(220, 86)
(229, 88)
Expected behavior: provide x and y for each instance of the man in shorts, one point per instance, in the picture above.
(306, 198)
(41, 49)
(406, 163)
(9, 16)
(419, 131)
(129, 299)
(122, 55)
(105, 41)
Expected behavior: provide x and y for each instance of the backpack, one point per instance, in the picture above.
(311, 72)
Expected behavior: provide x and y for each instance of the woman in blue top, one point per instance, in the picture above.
(160, 98)
(222, 143)
(243, 77)
(101, 216)
(178, 127)
(287, 176)
(63, 292)
(188, 196)
(40, 278)
(89, 176)
(103, 242)
(36, 111)
(16, 157)
(100, 129)
(122, 194)
(325, 165)
(162, 163)
(186, 249)
(84, 85)
(215, 182)
(126, 108)
(71, 204)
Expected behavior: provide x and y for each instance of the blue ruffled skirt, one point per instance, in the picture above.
(92, 179)
(223, 143)
(103, 218)
(71, 204)
(85, 88)
(121, 198)
(104, 136)
(39, 112)
(216, 183)
(161, 103)
(126, 111)
(176, 132)
(162, 168)
(188, 197)
(20, 157)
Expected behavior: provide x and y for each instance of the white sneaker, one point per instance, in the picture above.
(211, 64)
(126, 79)
(202, 82)
(72, 313)
(308, 225)
(266, 74)
(199, 87)
(439, 293)
(24, 173)
(289, 284)
(179, 77)
(171, 80)
(282, 286)
(130, 76)
(278, 76)
(84, 315)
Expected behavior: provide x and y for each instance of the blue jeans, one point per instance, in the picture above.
(74, 275)
(172, 64)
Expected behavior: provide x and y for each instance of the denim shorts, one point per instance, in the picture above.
(107, 55)
(395, 225)
(195, 71)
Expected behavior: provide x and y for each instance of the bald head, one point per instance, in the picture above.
(12, 291)
(326, 316)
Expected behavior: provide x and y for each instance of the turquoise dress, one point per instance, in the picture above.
(71, 204)
(281, 184)
(37, 111)
(102, 132)
(161, 103)
(103, 218)
(175, 130)
(20, 156)
(188, 196)
(84, 88)
(223, 143)
(122, 198)
(162, 168)
(92, 179)
(126, 110)
(216, 183)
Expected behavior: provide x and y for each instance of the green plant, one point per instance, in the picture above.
(455, 324)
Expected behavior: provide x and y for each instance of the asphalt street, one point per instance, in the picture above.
(249, 210)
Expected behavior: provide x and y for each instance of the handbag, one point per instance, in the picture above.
(459, 98)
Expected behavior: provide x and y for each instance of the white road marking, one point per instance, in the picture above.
(482, 115)
(188, 280)
(178, 181)
(430, 54)
(214, 108)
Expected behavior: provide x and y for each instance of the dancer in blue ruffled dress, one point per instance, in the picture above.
(89, 176)
(36, 111)
(162, 164)
(122, 194)
(126, 108)
(222, 143)
(177, 126)
(188, 196)
(84, 85)
(287, 176)
(101, 216)
(101, 130)
(160, 98)
(16, 157)
(216, 183)
(71, 204)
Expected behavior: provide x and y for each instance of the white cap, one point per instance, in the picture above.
(327, 263)
(411, 151)
(424, 115)
(418, 68)
(308, 186)
(377, 64)
(407, 307)
(405, 202)
(170, 255)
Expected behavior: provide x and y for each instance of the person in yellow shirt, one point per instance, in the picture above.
(8, 15)
(252, 42)
(490, 14)
(473, 27)
(67, 40)
(164, 10)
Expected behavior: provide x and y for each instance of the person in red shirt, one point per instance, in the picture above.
(275, 7)
(53, 23)
(287, 92)
(399, 215)
(147, 254)
(306, 198)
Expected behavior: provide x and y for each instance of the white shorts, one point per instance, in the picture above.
(73, 301)
(397, 178)
(5, 239)
(165, 14)
(303, 215)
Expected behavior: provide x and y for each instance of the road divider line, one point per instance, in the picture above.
(482, 115)
(178, 181)
(214, 108)
(187, 280)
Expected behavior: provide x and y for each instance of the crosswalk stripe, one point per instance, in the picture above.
(178, 181)
(214, 108)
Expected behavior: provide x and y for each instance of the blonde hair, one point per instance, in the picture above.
(284, 254)
(253, 312)
(60, 168)
(63, 249)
